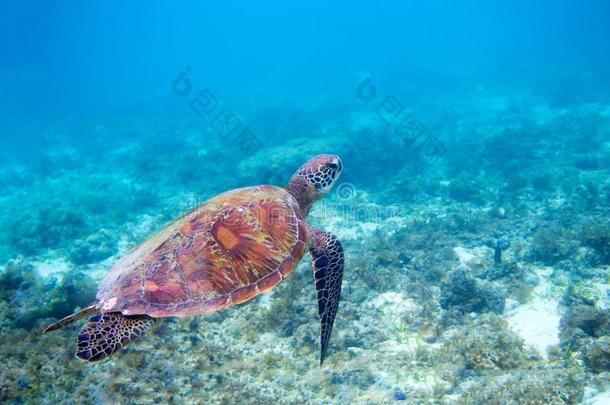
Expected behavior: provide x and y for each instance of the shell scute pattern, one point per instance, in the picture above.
(230, 249)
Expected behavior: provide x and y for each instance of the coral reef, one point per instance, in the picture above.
(487, 344)
(29, 299)
(498, 245)
(551, 244)
(597, 237)
(585, 330)
(52, 226)
(464, 293)
(464, 189)
(93, 248)
(537, 386)
(434, 311)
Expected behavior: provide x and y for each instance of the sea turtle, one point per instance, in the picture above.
(226, 251)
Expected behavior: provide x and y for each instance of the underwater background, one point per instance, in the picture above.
(474, 205)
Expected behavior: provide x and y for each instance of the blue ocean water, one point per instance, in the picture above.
(473, 206)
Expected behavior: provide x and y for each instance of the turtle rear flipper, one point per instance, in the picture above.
(90, 310)
(106, 333)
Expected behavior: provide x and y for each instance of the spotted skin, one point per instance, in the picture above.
(320, 172)
(327, 262)
(232, 248)
(314, 179)
(104, 334)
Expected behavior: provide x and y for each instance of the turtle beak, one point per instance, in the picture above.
(337, 168)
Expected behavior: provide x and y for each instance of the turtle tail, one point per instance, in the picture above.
(90, 310)
(106, 333)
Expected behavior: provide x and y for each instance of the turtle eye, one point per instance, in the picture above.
(332, 166)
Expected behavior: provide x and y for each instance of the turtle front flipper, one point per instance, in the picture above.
(106, 333)
(327, 255)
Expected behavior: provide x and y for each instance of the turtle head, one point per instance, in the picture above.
(321, 172)
(314, 179)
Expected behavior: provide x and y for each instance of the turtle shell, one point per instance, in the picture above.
(226, 251)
